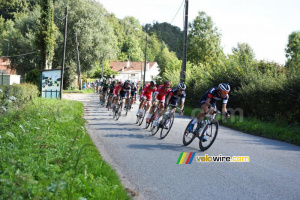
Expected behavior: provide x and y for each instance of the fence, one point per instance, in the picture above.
(50, 94)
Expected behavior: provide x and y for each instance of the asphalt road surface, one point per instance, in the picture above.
(147, 165)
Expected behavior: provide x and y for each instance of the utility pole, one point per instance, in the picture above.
(78, 63)
(183, 66)
(102, 68)
(144, 81)
(64, 53)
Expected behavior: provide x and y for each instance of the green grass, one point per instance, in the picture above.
(79, 91)
(285, 133)
(46, 153)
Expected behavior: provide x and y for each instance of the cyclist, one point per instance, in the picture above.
(105, 86)
(159, 95)
(171, 99)
(111, 91)
(124, 91)
(146, 95)
(117, 87)
(208, 100)
(133, 93)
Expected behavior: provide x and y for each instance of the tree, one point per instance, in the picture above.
(46, 35)
(204, 41)
(293, 51)
(171, 35)
(95, 36)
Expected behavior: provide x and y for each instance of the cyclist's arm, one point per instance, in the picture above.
(224, 110)
(182, 104)
(167, 101)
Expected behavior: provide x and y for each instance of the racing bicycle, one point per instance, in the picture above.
(208, 126)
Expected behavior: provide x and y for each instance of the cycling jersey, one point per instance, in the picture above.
(111, 88)
(162, 93)
(147, 91)
(175, 96)
(116, 89)
(125, 90)
(105, 86)
(213, 94)
(133, 91)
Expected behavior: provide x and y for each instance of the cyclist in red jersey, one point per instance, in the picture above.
(116, 92)
(146, 95)
(160, 95)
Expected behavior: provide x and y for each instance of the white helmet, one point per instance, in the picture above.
(181, 86)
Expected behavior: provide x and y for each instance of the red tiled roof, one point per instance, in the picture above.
(133, 66)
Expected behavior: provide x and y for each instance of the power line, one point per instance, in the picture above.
(177, 11)
(19, 55)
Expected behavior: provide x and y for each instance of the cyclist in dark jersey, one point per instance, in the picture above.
(209, 100)
(125, 91)
(172, 99)
(133, 92)
(104, 88)
(111, 91)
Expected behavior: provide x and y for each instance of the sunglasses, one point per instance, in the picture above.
(224, 92)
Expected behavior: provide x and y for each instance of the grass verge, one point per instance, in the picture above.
(46, 153)
(79, 91)
(285, 133)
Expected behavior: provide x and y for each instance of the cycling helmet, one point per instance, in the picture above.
(120, 82)
(127, 82)
(133, 83)
(152, 83)
(181, 86)
(224, 87)
(114, 82)
(167, 84)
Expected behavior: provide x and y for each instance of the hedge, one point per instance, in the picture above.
(16, 95)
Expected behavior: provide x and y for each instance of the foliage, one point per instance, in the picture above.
(46, 153)
(46, 34)
(293, 51)
(33, 77)
(169, 34)
(204, 41)
(16, 96)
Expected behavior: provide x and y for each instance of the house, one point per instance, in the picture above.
(5, 67)
(134, 71)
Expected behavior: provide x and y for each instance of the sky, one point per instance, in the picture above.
(264, 24)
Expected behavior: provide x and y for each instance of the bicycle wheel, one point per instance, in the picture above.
(105, 100)
(154, 129)
(188, 136)
(166, 127)
(118, 113)
(211, 132)
(127, 107)
(115, 111)
(143, 116)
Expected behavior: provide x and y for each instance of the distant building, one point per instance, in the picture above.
(5, 67)
(135, 70)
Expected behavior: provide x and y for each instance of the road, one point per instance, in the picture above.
(147, 165)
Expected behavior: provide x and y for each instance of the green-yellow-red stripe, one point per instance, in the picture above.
(185, 158)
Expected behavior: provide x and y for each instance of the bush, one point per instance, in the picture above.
(15, 96)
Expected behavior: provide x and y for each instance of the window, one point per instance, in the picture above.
(132, 74)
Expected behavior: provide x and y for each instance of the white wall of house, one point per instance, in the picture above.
(152, 73)
(136, 75)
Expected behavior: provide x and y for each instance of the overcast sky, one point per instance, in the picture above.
(264, 24)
